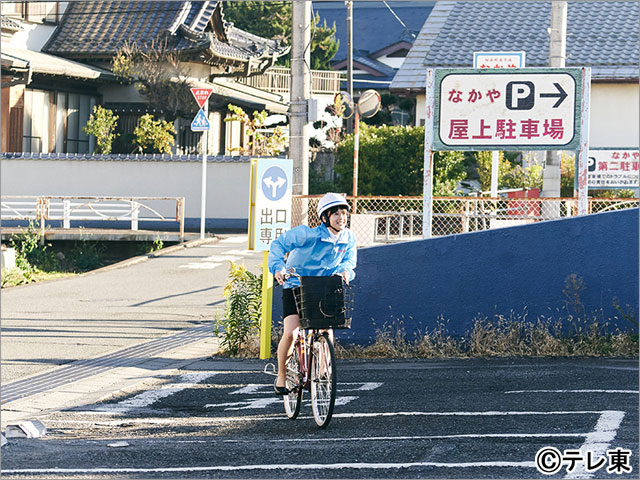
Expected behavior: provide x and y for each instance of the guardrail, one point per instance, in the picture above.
(67, 208)
(392, 219)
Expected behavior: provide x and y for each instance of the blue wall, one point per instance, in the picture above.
(514, 270)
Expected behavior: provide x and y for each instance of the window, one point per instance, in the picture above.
(37, 12)
(53, 122)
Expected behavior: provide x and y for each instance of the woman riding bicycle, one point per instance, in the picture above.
(328, 249)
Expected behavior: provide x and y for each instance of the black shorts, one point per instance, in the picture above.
(288, 303)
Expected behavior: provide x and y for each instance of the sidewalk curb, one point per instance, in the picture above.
(129, 261)
(158, 253)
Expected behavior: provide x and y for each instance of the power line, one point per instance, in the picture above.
(399, 20)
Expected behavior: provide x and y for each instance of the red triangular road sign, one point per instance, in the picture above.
(201, 95)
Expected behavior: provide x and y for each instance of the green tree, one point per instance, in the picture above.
(154, 136)
(483, 165)
(259, 143)
(273, 20)
(448, 169)
(391, 162)
(102, 124)
(324, 45)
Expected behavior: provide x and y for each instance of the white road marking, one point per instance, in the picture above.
(363, 386)
(149, 397)
(221, 258)
(201, 266)
(251, 389)
(460, 414)
(574, 391)
(415, 437)
(247, 404)
(254, 388)
(311, 466)
(256, 403)
(241, 252)
(280, 416)
(599, 440)
(239, 239)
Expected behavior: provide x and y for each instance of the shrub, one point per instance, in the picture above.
(102, 124)
(154, 136)
(31, 254)
(85, 256)
(391, 162)
(243, 294)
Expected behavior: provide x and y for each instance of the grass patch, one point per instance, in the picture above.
(501, 337)
(12, 277)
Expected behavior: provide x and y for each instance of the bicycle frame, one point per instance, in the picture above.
(304, 344)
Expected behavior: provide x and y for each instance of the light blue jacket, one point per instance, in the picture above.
(312, 253)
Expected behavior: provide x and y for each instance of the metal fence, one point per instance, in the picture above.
(68, 208)
(377, 220)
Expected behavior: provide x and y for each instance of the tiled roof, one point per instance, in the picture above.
(130, 157)
(374, 26)
(10, 25)
(41, 63)
(602, 35)
(94, 29)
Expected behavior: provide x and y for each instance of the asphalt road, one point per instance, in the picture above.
(47, 325)
(218, 418)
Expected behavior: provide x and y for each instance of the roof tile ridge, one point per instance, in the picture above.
(204, 9)
(180, 17)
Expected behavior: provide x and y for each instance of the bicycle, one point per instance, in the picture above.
(324, 304)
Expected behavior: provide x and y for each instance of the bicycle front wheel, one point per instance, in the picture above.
(323, 380)
(293, 399)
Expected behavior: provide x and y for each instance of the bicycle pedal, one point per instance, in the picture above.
(270, 369)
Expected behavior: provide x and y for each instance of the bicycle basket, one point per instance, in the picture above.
(324, 302)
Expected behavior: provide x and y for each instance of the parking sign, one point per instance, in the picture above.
(507, 109)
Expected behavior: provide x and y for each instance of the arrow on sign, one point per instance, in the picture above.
(274, 185)
(561, 95)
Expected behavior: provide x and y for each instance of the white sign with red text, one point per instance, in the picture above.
(613, 168)
(510, 109)
(498, 59)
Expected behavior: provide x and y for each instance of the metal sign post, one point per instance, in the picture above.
(201, 123)
(583, 152)
(427, 185)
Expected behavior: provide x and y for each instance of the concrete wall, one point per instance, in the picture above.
(506, 271)
(227, 183)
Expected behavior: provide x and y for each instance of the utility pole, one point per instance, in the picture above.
(557, 56)
(300, 93)
(349, 3)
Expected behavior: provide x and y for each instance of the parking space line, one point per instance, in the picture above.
(281, 416)
(148, 397)
(311, 466)
(599, 439)
(635, 392)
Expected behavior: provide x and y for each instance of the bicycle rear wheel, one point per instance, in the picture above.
(323, 380)
(293, 399)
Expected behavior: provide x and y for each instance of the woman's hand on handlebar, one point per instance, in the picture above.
(280, 277)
